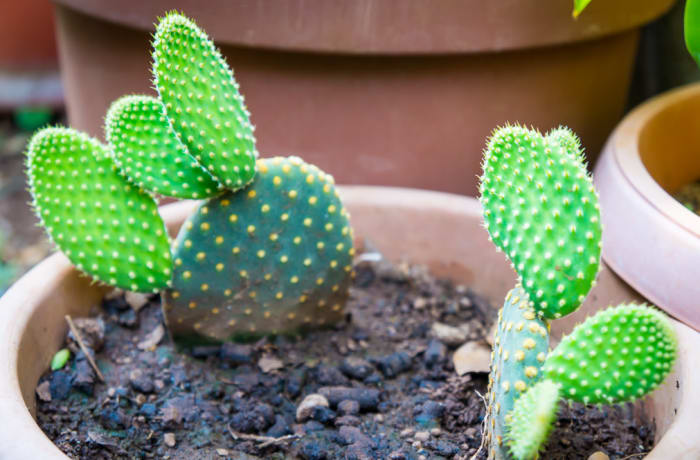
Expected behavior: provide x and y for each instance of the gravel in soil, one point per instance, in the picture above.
(382, 385)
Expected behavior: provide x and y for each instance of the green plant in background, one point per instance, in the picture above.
(691, 24)
(264, 253)
(579, 6)
(541, 209)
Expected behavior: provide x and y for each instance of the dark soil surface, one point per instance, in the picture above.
(689, 196)
(391, 385)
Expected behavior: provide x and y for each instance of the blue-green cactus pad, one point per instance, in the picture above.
(271, 258)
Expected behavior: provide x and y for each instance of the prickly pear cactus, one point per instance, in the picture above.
(617, 355)
(149, 153)
(532, 419)
(268, 259)
(202, 101)
(520, 349)
(540, 208)
(105, 226)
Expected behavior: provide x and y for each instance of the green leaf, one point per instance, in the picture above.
(60, 359)
(692, 28)
(579, 6)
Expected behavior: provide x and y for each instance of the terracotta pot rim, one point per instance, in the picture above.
(22, 437)
(373, 27)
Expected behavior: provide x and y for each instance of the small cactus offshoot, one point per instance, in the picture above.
(265, 253)
(541, 209)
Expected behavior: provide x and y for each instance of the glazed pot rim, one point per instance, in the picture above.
(373, 27)
(624, 145)
(22, 435)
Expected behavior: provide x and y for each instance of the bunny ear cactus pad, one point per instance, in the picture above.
(202, 101)
(617, 355)
(105, 226)
(149, 154)
(540, 208)
(532, 420)
(520, 349)
(272, 258)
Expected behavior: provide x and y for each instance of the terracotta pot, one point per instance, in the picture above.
(651, 240)
(390, 92)
(446, 234)
(27, 39)
(28, 56)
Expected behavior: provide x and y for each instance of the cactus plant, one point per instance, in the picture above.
(264, 253)
(541, 209)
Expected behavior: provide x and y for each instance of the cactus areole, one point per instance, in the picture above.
(541, 210)
(270, 248)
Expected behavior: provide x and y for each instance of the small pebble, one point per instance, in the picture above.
(356, 368)
(306, 407)
(349, 407)
(436, 432)
(421, 436)
(407, 432)
(222, 452)
(169, 439)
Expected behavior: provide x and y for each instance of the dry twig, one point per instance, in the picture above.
(264, 440)
(82, 346)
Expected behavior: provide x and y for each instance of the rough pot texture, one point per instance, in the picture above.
(381, 84)
(651, 240)
(447, 235)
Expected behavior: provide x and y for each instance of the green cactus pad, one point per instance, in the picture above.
(531, 420)
(202, 101)
(540, 208)
(619, 354)
(106, 227)
(520, 349)
(149, 154)
(272, 258)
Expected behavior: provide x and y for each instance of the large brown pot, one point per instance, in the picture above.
(446, 234)
(651, 240)
(391, 92)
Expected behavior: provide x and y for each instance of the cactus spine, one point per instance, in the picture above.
(541, 209)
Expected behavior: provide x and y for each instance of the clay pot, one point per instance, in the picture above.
(446, 234)
(651, 240)
(27, 41)
(389, 92)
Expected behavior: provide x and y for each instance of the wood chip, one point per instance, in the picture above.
(152, 339)
(268, 364)
(472, 357)
(43, 391)
(136, 300)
